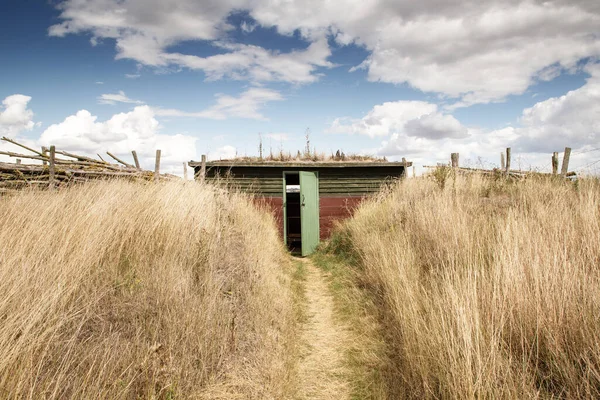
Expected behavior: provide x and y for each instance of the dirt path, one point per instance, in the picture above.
(321, 369)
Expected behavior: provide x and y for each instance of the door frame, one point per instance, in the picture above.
(285, 233)
(297, 172)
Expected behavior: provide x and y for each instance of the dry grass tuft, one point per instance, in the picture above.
(122, 291)
(488, 289)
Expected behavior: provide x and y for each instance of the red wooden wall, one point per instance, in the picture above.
(331, 209)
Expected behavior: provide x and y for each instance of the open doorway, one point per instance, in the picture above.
(301, 211)
(293, 225)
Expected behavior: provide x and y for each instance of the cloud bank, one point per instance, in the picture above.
(419, 131)
(136, 130)
(469, 51)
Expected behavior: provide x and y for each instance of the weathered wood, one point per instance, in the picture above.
(502, 163)
(104, 173)
(65, 171)
(52, 167)
(300, 164)
(203, 168)
(414, 172)
(11, 154)
(554, 163)
(565, 164)
(81, 158)
(61, 161)
(185, 175)
(454, 160)
(45, 154)
(507, 169)
(21, 167)
(119, 160)
(22, 145)
(135, 159)
(157, 167)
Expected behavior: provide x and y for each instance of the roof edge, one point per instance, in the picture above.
(316, 164)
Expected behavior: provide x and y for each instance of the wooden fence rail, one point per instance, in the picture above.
(54, 172)
(505, 158)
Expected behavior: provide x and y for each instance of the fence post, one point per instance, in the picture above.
(414, 172)
(157, 167)
(18, 161)
(203, 168)
(135, 159)
(507, 160)
(565, 164)
(454, 160)
(185, 176)
(502, 163)
(44, 152)
(554, 163)
(52, 167)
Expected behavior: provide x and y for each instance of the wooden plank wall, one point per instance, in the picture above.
(268, 181)
(331, 209)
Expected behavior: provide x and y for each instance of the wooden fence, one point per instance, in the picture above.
(55, 171)
(505, 163)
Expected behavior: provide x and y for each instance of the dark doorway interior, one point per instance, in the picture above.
(294, 233)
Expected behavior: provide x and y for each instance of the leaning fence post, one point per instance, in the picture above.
(185, 176)
(414, 172)
(157, 167)
(135, 159)
(554, 163)
(507, 160)
(565, 164)
(502, 163)
(52, 167)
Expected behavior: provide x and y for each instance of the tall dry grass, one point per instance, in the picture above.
(117, 290)
(487, 289)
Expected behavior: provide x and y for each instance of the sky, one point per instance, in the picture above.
(393, 78)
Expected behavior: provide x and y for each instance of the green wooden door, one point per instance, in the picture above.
(309, 211)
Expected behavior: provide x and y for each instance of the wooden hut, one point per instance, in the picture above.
(306, 197)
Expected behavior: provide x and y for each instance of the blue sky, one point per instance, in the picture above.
(390, 78)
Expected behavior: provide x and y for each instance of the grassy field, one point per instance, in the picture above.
(483, 289)
(123, 291)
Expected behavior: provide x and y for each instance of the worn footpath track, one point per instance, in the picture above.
(322, 374)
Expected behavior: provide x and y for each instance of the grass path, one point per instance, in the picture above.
(322, 373)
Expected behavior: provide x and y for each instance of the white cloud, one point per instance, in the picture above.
(473, 51)
(132, 76)
(436, 126)
(114, 98)
(136, 130)
(571, 120)
(15, 117)
(476, 51)
(222, 153)
(254, 63)
(412, 118)
(144, 30)
(247, 27)
(246, 105)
